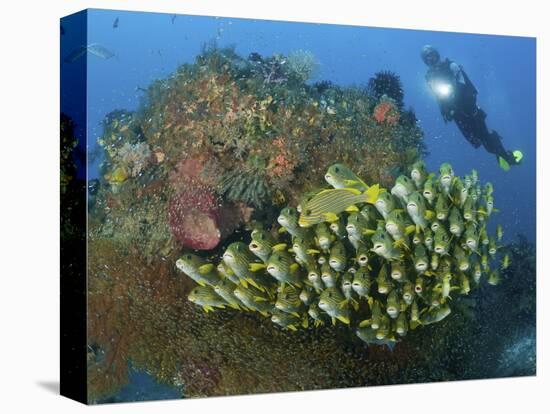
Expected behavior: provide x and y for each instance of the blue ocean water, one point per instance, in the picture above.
(149, 46)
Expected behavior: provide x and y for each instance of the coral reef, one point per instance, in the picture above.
(386, 111)
(194, 218)
(252, 189)
(251, 132)
(303, 64)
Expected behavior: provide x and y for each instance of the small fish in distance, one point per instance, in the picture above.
(94, 49)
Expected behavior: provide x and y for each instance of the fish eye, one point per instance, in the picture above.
(336, 169)
(329, 294)
(308, 212)
(189, 257)
(253, 245)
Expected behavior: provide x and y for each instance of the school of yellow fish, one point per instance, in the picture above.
(382, 261)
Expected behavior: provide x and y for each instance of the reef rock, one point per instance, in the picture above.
(194, 218)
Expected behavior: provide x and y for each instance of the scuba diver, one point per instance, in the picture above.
(456, 96)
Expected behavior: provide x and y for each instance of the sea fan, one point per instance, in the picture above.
(251, 189)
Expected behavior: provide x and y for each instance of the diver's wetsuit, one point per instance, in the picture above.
(461, 106)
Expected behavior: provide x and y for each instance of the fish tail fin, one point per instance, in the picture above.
(414, 324)
(365, 323)
(279, 247)
(372, 193)
(254, 267)
(253, 283)
(343, 319)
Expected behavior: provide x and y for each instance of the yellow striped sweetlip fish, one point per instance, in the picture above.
(327, 204)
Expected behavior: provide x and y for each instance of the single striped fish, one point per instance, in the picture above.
(326, 205)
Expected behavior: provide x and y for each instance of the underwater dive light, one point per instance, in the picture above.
(442, 89)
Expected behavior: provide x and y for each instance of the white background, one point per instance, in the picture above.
(29, 163)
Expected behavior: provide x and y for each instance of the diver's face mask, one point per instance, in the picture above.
(431, 59)
(442, 89)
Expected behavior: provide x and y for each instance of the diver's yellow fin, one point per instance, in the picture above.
(503, 164)
(518, 155)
